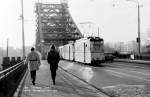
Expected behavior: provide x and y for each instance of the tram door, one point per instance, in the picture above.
(73, 50)
(84, 51)
(69, 53)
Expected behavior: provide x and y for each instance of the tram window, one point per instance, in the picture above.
(97, 46)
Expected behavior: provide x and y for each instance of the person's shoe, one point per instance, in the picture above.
(33, 83)
(53, 82)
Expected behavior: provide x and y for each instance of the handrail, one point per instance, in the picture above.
(10, 79)
(9, 70)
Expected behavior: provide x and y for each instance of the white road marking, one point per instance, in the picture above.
(124, 85)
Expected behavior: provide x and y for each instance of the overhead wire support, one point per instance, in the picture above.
(7, 47)
(23, 40)
(139, 25)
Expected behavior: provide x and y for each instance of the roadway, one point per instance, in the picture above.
(79, 80)
(111, 76)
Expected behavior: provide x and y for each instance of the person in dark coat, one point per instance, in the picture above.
(53, 59)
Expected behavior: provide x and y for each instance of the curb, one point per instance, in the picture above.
(21, 84)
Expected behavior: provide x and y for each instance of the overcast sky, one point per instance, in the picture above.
(116, 19)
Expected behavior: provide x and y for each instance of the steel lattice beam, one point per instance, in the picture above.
(54, 25)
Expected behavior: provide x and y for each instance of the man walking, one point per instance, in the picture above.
(53, 59)
(33, 60)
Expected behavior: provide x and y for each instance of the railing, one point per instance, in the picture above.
(10, 78)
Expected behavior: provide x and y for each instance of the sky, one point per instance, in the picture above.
(116, 20)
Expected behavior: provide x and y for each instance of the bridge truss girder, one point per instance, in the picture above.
(54, 26)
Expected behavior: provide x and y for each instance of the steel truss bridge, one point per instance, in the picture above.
(54, 26)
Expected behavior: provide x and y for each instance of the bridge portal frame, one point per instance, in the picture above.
(54, 25)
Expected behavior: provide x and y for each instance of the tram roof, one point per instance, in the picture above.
(91, 39)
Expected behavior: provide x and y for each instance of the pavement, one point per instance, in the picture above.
(66, 85)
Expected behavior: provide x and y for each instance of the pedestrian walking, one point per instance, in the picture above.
(53, 59)
(33, 60)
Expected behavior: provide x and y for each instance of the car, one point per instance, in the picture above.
(109, 57)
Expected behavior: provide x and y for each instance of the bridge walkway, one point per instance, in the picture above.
(66, 85)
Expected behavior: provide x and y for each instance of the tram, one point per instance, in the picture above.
(88, 50)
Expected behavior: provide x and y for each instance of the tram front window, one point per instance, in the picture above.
(97, 46)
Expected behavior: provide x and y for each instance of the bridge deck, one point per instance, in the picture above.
(66, 85)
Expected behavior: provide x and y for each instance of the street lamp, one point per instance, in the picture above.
(138, 38)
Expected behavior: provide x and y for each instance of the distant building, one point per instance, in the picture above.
(128, 47)
(131, 47)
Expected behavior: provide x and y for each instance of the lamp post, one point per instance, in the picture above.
(23, 41)
(7, 48)
(139, 37)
